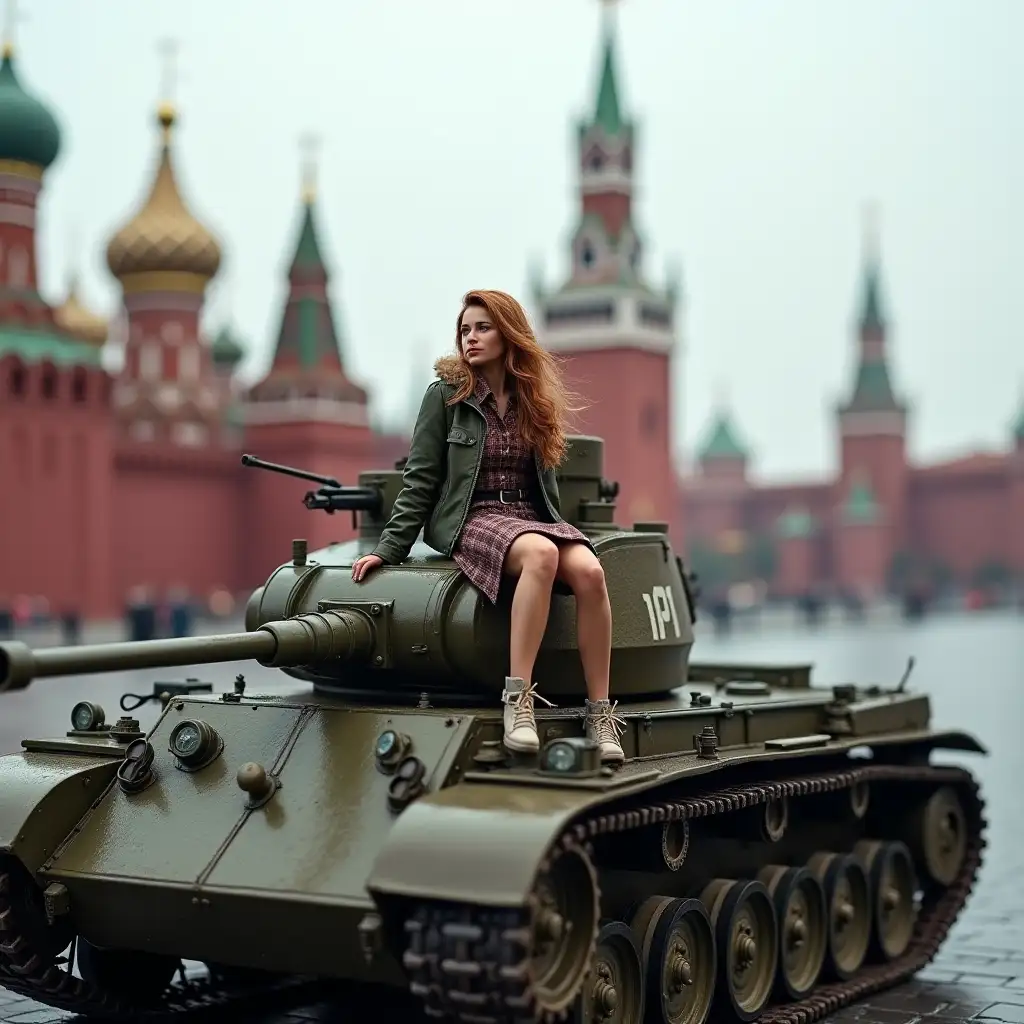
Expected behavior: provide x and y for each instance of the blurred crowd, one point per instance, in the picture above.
(148, 614)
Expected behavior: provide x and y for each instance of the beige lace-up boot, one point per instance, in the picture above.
(520, 720)
(604, 727)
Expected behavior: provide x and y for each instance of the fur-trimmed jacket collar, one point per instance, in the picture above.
(452, 370)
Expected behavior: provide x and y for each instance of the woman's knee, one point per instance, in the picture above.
(535, 555)
(584, 573)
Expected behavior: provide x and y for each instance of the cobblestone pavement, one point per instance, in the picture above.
(978, 974)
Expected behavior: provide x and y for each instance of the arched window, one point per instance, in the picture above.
(188, 364)
(172, 332)
(17, 268)
(49, 382)
(17, 381)
(79, 385)
(150, 361)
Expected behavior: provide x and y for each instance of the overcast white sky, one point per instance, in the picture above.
(448, 162)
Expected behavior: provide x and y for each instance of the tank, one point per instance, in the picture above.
(771, 848)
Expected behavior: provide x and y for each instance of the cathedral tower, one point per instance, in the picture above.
(164, 258)
(616, 333)
(54, 395)
(872, 422)
(306, 411)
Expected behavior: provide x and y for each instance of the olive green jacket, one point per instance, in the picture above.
(442, 469)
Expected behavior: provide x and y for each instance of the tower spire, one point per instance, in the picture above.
(872, 318)
(12, 16)
(167, 112)
(607, 112)
(309, 146)
(872, 389)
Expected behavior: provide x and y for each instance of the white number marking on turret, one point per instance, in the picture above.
(661, 608)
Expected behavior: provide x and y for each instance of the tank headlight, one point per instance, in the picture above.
(574, 755)
(560, 757)
(86, 716)
(390, 748)
(195, 744)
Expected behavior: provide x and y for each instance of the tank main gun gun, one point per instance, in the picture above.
(331, 496)
(334, 636)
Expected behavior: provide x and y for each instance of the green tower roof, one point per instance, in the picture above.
(796, 523)
(1018, 427)
(33, 346)
(872, 390)
(307, 250)
(28, 131)
(308, 330)
(227, 349)
(722, 442)
(872, 316)
(607, 112)
(860, 506)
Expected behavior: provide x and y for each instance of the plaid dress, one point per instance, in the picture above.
(490, 526)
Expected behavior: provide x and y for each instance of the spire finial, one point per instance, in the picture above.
(309, 145)
(608, 14)
(871, 229)
(167, 113)
(11, 20)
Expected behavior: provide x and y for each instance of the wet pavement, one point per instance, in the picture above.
(973, 670)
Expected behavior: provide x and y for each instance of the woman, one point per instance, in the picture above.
(480, 482)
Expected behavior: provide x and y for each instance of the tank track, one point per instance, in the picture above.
(471, 963)
(46, 979)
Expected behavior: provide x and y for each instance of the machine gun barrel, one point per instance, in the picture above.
(344, 499)
(331, 496)
(308, 639)
(302, 474)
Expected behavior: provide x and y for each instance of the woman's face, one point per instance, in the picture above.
(480, 341)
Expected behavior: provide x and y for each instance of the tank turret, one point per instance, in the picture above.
(434, 631)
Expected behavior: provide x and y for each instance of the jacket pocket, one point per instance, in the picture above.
(458, 436)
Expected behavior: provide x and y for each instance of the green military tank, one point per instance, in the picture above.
(769, 849)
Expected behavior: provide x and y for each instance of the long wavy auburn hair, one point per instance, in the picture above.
(545, 403)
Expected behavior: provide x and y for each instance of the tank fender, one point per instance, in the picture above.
(44, 796)
(956, 740)
(474, 842)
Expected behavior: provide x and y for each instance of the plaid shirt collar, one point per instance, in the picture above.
(482, 390)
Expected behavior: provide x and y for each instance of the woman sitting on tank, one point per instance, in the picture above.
(493, 424)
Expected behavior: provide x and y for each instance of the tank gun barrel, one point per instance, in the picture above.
(309, 639)
(331, 496)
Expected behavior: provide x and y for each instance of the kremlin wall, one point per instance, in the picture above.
(120, 480)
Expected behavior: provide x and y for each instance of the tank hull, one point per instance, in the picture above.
(187, 867)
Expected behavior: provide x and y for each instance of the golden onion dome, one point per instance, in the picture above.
(163, 247)
(74, 318)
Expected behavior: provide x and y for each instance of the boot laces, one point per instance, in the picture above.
(522, 702)
(606, 723)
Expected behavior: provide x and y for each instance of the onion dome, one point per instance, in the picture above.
(74, 318)
(163, 247)
(227, 351)
(28, 131)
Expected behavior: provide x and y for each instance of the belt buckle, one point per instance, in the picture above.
(503, 492)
